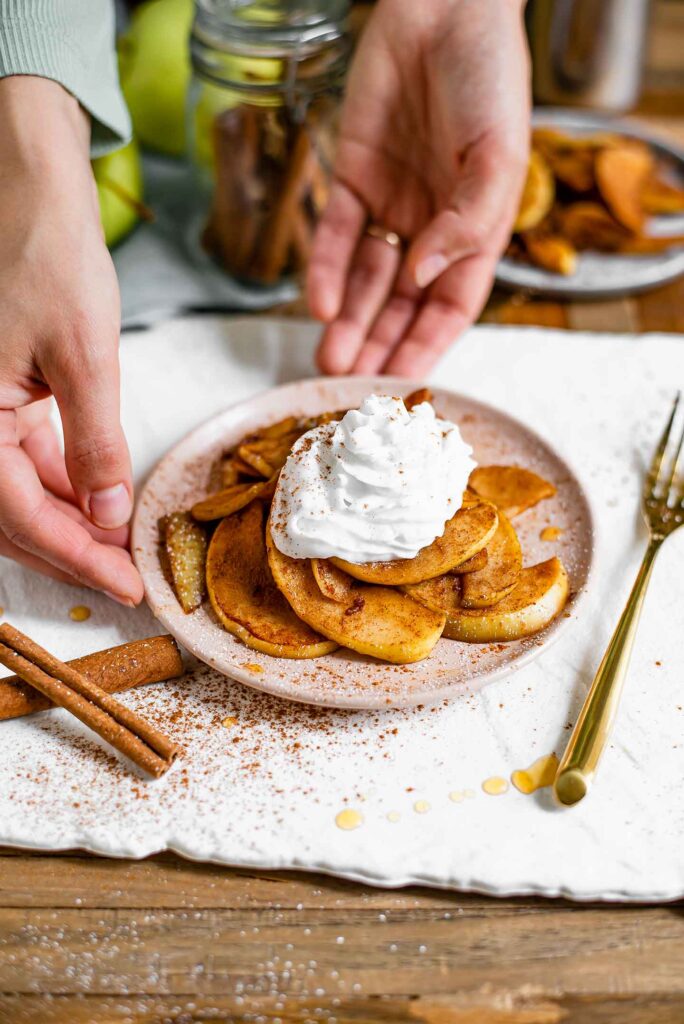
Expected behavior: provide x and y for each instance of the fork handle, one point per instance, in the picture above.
(592, 729)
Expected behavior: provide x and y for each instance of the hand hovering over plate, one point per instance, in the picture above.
(59, 325)
(433, 148)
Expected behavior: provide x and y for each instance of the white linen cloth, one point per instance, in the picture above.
(264, 790)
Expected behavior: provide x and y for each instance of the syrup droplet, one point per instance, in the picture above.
(229, 722)
(252, 667)
(495, 785)
(79, 613)
(394, 817)
(349, 819)
(421, 807)
(537, 776)
(550, 533)
(457, 796)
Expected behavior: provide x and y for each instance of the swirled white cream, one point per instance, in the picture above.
(377, 485)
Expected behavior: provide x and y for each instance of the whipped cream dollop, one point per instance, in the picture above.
(378, 484)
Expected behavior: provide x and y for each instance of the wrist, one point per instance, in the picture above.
(42, 126)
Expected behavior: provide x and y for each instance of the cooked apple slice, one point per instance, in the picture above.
(232, 499)
(500, 575)
(621, 173)
(244, 596)
(244, 468)
(538, 598)
(466, 533)
(268, 454)
(289, 425)
(417, 397)
(589, 225)
(442, 594)
(550, 252)
(228, 472)
(378, 621)
(254, 458)
(332, 582)
(511, 488)
(478, 561)
(538, 193)
(659, 196)
(185, 544)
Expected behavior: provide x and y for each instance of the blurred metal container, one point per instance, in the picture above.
(587, 53)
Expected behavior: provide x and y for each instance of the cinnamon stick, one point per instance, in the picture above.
(64, 685)
(276, 240)
(118, 668)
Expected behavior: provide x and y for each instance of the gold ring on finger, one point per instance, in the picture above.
(385, 235)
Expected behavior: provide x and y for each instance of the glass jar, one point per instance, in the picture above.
(263, 103)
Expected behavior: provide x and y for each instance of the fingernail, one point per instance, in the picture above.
(430, 268)
(119, 600)
(110, 507)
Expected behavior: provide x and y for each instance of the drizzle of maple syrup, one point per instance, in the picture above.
(540, 774)
(550, 533)
(349, 819)
(79, 613)
(495, 785)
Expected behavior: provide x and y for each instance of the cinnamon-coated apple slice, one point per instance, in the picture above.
(500, 575)
(538, 598)
(466, 533)
(443, 594)
(417, 397)
(185, 547)
(379, 621)
(244, 596)
(538, 193)
(477, 561)
(511, 488)
(232, 499)
(332, 582)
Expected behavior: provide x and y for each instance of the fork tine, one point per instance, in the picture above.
(657, 462)
(670, 495)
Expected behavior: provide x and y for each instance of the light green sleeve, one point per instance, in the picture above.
(71, 42)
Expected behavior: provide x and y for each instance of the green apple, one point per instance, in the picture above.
(154, 67)
(119, 181)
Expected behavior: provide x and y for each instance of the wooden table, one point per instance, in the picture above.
(85, 940)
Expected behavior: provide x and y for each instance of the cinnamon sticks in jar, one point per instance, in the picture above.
(270, 188)
(68, 687)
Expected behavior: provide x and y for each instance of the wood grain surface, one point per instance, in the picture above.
(93, 941)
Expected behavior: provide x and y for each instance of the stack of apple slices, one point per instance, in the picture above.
(469, 585)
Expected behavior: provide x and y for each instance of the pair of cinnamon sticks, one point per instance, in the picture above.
(71, 686)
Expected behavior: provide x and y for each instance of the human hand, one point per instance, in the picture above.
(433, 145)
(59, 324)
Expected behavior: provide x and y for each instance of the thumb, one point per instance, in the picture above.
(95, 449)
(478, 216)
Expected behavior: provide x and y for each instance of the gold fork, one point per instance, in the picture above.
(663, 509)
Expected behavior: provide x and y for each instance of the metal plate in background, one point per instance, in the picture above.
(604, 275)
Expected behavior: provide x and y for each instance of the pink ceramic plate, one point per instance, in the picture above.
(345, 679)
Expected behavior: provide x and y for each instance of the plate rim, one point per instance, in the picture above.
(550, 635)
